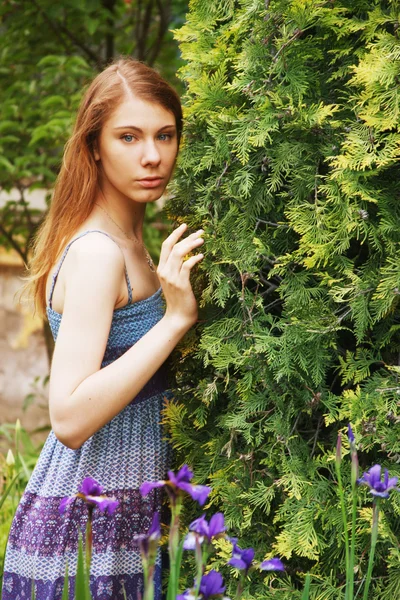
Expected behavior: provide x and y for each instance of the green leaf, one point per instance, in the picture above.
(9, 139)
(8, 166)
(306, 592)
(179, 559)
(65, 595)
(92, 25)
(123, 591)
(8, 490)
(51, 61)
(7, 126)
(82, 589)
(54, 101)
(25, 468)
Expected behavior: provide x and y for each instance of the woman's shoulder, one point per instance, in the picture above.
(95, 245)
(95, 265)
(88, 261)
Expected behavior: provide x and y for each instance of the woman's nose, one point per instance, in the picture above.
(151, 154)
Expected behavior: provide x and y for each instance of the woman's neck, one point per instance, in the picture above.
(125, 214)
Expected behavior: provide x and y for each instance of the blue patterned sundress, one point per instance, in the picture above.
(128, 450)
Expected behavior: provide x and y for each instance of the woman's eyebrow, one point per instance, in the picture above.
(141, 130)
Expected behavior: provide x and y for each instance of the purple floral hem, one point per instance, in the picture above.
(38, 527)
(102, 588)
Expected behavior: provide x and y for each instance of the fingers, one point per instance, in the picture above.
(191, 262)
(174, 273)
(181, 250)
(173, 252)
(169, 243)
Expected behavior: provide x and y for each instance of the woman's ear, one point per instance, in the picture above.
(96, 150)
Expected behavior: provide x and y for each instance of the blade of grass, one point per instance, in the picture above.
(17, 436)
(8, 490)
(25, 467)
(2, 560)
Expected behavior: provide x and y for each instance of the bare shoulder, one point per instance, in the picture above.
(96, 257)
(97, 246)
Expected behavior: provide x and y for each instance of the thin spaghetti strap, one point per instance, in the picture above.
(64, 254)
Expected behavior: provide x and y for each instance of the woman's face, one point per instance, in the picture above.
(137, 149)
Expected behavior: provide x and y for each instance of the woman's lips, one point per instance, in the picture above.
(150, 183)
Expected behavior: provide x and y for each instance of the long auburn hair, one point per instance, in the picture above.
(76, 184)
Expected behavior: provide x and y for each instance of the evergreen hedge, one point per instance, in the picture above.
(290, 164)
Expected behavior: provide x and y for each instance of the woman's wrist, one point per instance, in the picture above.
(177, 324)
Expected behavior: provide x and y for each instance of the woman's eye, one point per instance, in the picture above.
(128, 137)
(165, 136)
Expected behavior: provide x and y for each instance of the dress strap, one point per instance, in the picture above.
(64, 254)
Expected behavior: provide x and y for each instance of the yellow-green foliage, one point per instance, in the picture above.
(290, 163)
(18, 456)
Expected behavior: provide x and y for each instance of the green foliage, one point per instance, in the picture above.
(290, 165)
(15, 470)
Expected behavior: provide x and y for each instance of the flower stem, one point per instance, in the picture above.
(201, 559)
(350, 576)
(354, 478)
(374, 537)
(173, 545)
(345, 527)
(148, 574)
(240, 586)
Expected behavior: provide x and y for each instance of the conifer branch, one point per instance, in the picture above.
(219, 180)
(297, 34)
(259, 221)
(320, 421)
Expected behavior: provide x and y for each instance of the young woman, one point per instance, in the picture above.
(93, 277)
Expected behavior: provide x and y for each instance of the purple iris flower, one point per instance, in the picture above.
(372, 479)
(273, 564)
(187, 595)
(354, 457)
(184, 475)
(147, 486)
(92, 493)
(350, 434)
(148, 542)
(241, 559)
(211, 529)
(154, 533)
(200, 529)
(180, 481)
(211, 585)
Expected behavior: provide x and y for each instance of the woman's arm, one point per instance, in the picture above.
(83, 397)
